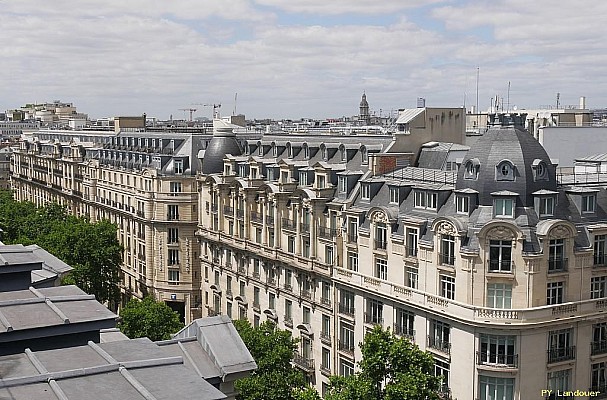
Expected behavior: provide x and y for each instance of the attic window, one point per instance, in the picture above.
(365, 191)
(504, 171)
(343, 153)
(394, 195)
(504, 207)
(342, 184)
(323, 153)
(178, 166)
(365, 155)
(540, 170)
(471, 169)
(588, 203)
(306, 152)
(274, 150)
(303, 178)
(462, 204)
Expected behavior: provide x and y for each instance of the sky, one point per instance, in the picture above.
(299, 58)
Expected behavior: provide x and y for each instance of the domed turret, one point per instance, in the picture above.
(223, 142)
(507, 159)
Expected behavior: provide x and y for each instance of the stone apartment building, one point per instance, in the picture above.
(495, 267)
(143, 182)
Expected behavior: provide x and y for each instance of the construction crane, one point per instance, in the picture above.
(191, 110)
(216, 108)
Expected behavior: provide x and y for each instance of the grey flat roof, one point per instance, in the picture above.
(130, 369)
(67, 306)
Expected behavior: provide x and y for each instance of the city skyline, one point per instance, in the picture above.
(301, 58)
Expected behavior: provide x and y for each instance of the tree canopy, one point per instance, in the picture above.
(392, 368)
(275, 377)
(148, 318)
(92, 249)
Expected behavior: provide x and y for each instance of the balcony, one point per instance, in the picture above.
(288, 321)
(228, 211)
(306, 294)
(307, 364)
(446, 259)
(327, 233)
(172, 217)
(325, 338)
(352, 238)
(557, 265)
(325, 301)
(346, 310)
(214, 208)
(256, 274)
(269, 220)
(380, 244)
(500, 266)
(242, 269)
(305, 228)
(498, 360)
(240, 214)
(256, 306)
(411, 251)
(288, 287)
(599, 347)
(288, 224)
(373, 319)
(271, 281)
(405, 332)
(600, 260)
(558, 354)
(256, 217)
(229, 294)
(346, 347)
(439, 344)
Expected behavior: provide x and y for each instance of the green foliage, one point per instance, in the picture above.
(275, 377)
(149, 318)
(392, 368)
(92, 249)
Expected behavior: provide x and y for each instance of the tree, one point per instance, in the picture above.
(149, 318)
(92, 249)
(275, 377)
(391, 368)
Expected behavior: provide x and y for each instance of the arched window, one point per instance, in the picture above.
(364, 155)
(471, 169)
(505, 171)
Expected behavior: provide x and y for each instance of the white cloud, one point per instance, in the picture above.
(332, 7)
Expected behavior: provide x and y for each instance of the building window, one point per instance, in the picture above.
(326, 292)
(329, 254)
(172, 212)
(426, 200)
(560, 346)
(404, 323)
(229, 309)
(303, 178)
(173, 258)
(394, 195)
(291, 244)
(365, 191)
(305, 247)
(172, 235)
(558, 381)
(306, 315)
(598, 287)
(447, 286)
(500, 256)
(412, 235)
(412, 277)
(381, 268)
(346, 368)
(504, 171)
(346, 338)
(242, 289)
(499, 295)
(271, 301)
(588, 203)
(471, 169)
(498, 350)
(288, 312)
(600, 249)
(492, 388)
(288, 279)
(175, 187)
(326, 327)
(178, 166)
(352, 261)
(598, 380)
(342, 184)
(346, 302)
(256, 297)
(441, 368)
(447, 255)
(546, 206)
(556, 256)
(504, 207)
(381, 236)
(320, 181)
(439, 337)
(555, 292)
(242, 313)
(326, 359)
(173, 276)
(374, 314)
(599, 338)
(462, 204)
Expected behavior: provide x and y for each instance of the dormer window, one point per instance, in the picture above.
(540, 170)
(364, 155)
(178, 167)
(342, 151)
(284, 177)
(226, 171)
(462, 204)
(271, 174)
(260, 149)
(323, 153)
(394, 195)
(471, 169)
(303, 178)
(546, 207)
(242, 170)
(306, 150)
(504, 207)
(320, 181)
(504, 171)
(365, 191)
(426, 200)
(274, 150)
(289, 151)
(588, 203)
(253, 173)
(342, 184)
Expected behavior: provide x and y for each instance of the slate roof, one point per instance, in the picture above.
(131, 369)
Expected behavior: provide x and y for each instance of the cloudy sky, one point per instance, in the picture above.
(299, 58)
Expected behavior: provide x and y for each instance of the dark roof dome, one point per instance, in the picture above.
(507, 160)
(223, 142)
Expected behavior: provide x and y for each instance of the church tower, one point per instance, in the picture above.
(364, 117)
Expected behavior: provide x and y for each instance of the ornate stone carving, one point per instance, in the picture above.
(501, 233)
(380, 217)
(445, 228)
(560, 232)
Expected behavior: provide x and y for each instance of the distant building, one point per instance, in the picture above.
(364, 117)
